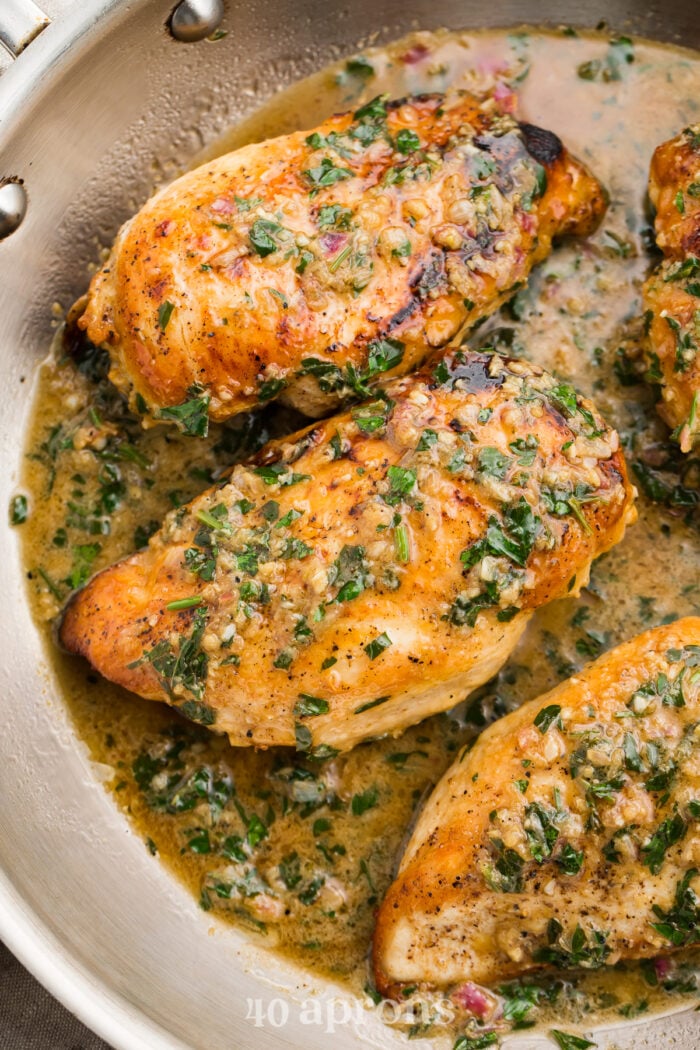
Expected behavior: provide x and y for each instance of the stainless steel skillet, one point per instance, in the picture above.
(99, 103)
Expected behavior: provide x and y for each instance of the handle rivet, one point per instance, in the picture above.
(13, 207)
(194, 20)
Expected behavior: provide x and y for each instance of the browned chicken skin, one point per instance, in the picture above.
(672, 293)
(567, 838)
(306, 265)
(368, 571)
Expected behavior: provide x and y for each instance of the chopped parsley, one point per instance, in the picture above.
(548, 716)
(364, 800)
(271, 387)
(377, 646)
(407, 141)
(308, 706)
(84, 554)
(513, 538)
(570, 860)
(264, 236)
(540, 824)
(372, 417)
(192, 415)
(325, 174)
(289, 869)
(280, 474)
(382, 356)
(350, 571)
(585, 949)
(668, 833)
(334, 217)
(680, 925)
(492, 462)
(360, 67)
(504, 875)
(477, 1042)
(184, 603)
(612, 67)
(165, 312)
(401, 483)
(184, 666)
(295, 548)
(566, 1041)
(18, 510)
(370, 704)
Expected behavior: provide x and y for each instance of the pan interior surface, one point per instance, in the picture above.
(99, 109)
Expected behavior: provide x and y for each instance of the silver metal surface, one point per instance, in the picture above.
(194, 20)
(13, 207)
(97, 110)
(20, 22)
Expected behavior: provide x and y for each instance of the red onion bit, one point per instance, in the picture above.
(473, 999)
(415, 54)
(505, 95)
(662, 968)
(332, 242)
(222, 206)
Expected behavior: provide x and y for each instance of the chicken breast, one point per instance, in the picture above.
(567, 838)
(370, 570)
(307, 265)
(672, 293)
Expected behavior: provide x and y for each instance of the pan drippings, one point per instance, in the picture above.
(300, 852)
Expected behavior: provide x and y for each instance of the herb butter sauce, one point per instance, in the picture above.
(301, 853)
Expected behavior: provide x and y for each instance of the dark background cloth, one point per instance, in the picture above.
(31, 1019)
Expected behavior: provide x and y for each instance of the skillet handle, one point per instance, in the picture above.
(20, 22)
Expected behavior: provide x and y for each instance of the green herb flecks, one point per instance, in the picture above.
(583, 948)
(267, 236)
(668, 833)
(402, 481)
(570, 860)
(378, 645)
(183, 668)
(192, 416)
(567, 1041)
(370, 704)
(334, 217)
(382, 356)
(541, 831)
(360, 67)
(165, 312)
(280, 474)
(271, 387)
(548, 716)
(364, 800)
(564, 499)
(613, 66)
(19, 510)
(180, 604)
(477, 1042)
(680, 925)
(308, 706)
(406, 141)
(464, 611)
(350, 573)
(505, 873)
(325, 174)
(513, 538)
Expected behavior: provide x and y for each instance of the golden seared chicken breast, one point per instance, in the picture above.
(672, 293)
(567, 838)
(307, 265)
(370, 570)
